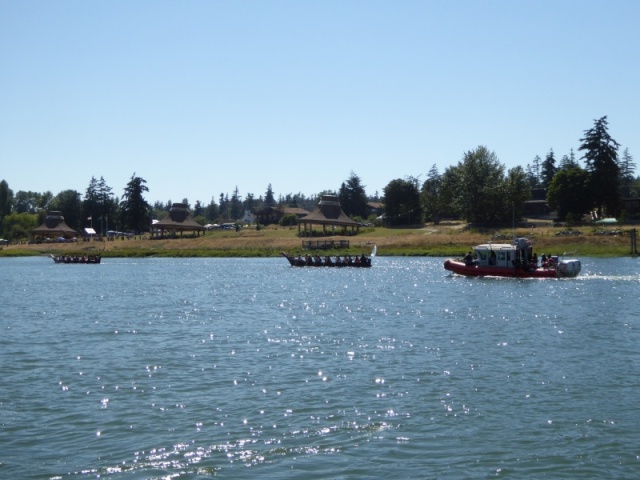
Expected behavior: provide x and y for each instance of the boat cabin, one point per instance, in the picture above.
(495, 255)
(518, 253)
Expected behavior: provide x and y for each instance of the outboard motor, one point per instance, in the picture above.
(569, 268)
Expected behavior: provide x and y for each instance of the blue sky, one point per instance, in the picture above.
(201, 97)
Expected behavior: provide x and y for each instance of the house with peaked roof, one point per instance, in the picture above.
(273, 215)
(328, 214)
(375, 208)
(297, 211)
(178, 220)
(53, 226)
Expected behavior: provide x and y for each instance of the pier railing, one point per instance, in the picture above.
(324, 244)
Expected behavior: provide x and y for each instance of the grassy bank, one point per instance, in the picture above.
(432, 240)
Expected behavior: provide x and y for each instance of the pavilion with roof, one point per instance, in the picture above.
(53, 227)
(329, 215)
(178, 220)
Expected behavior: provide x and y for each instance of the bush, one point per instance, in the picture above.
(572, 219)
(288, 220)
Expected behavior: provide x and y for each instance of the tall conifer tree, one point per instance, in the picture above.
(601, 158)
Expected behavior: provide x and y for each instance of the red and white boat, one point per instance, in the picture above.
(512, 260)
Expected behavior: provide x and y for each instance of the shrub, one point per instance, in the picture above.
(288, 220)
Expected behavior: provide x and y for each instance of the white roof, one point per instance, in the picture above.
(495, 246)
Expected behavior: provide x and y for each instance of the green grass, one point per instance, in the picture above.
(432, 240)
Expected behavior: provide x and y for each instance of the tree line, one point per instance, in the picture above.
(478, 190)
(102, 210)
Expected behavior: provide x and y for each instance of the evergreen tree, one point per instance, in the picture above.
(627, 169)
(212, 212)
(135, 209)
(430, 195)
(107, 206)
(352, 197)
(536, 170)
(225, 207)
(635, 188)
(269, 198)
(250, 203)
(158, 210)
(236, 205)
(601, 158)
(198, 209)
(531, 177)
(6, 201)
(568, 162)
(91, 205)
(288, 200)
(548, 169)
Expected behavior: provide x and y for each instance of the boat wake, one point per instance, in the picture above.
(612, 278)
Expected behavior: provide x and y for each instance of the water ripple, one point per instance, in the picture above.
(193, 368)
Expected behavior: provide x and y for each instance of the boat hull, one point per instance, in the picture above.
(565, 269)
(301, 262)
(93, 259)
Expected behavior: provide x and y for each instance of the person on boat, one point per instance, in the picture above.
(516, 261)
(492, 258)
(468, 259)
(363, 259)
(327, 261)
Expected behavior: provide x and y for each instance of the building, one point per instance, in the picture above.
(177, 221)
(375, 208)
(329, 215)
(273, 215)
(54, 227)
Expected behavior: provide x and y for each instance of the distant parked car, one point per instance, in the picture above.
(4, 242)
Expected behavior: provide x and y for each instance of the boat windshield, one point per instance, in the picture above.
(482, 254)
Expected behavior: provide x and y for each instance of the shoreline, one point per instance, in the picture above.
(445, 240)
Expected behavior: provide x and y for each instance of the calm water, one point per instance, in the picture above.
(247, 368)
